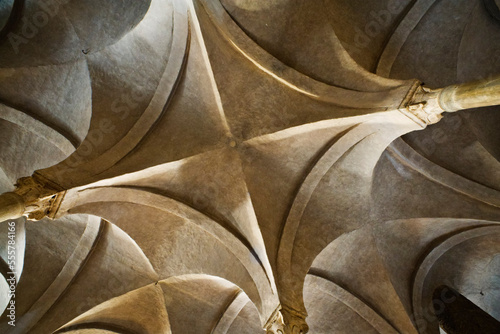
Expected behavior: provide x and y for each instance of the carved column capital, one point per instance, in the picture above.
(422, 105)
(425, 106)
(275, 324)
(287, 321)
(295, 321)
(41, 197)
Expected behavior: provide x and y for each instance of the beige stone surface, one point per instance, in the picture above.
(248, 166)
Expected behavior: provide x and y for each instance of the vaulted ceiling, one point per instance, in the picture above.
(237, 166)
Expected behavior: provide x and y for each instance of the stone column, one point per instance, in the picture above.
(33, 197)
(426, 106)
(11, 206)
(470, 95)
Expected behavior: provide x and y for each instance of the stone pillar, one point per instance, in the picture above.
(470, 95)
(426, 106)
(11, 206)
(33, 197)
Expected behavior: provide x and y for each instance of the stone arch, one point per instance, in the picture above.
(180, 225)
(193, 303)
(461, 262)
(81, 272)
(457, 314)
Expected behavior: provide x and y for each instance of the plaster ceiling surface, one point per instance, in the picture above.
(237, 166)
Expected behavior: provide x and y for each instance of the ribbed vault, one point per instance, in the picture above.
(237, 166)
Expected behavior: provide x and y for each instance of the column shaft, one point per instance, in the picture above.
(11, 206)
